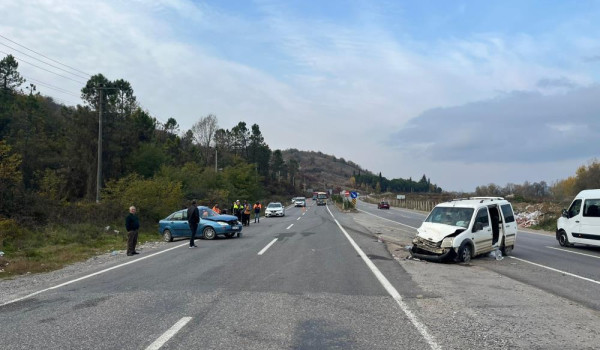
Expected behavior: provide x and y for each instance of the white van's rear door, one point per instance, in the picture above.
(510, 225)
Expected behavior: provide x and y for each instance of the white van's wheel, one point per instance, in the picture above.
(563, 240)
(465, 253)
(506, 251)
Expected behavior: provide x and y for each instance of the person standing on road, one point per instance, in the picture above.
(246, 214)
(257, 208)
(132, 225)
(193, 220)
(237, 210)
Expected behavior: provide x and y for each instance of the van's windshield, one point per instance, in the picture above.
(451, 216)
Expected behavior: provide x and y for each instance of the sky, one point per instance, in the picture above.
(466, 92)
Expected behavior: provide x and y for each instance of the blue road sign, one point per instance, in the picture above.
(353, 194)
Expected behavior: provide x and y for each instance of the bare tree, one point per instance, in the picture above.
(204, 132)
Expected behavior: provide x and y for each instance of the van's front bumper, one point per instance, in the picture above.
(447, 254)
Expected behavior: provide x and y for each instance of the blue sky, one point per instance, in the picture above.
(466, 92)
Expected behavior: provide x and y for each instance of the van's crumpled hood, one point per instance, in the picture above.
(437, 232)
(222, 217)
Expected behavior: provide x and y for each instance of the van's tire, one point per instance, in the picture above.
(465, 253)
(209, 233)
(167, 236)
(563, 239)
(506, 251)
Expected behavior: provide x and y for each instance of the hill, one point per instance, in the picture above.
(321, 171)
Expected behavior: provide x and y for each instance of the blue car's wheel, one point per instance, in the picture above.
(209, 233)
(167, 236)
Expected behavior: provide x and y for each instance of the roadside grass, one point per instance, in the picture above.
(548, 223)
(29, 250)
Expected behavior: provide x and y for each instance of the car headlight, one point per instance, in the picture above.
(447, 242)
(222, 223)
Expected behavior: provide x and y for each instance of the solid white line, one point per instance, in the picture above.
(289, 226)
(298, 218)
(158, 343)
(570, 251)
(396, 222)
(557, 270)
(391, 290)
(93, 274)
(267, 247)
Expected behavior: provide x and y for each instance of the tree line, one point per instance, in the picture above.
(48, 155)
(379, 183)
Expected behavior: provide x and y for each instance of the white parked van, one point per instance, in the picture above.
(463, 228)
(581, 223)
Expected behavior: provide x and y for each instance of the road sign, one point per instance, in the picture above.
(353, 194)
(400, 196)
(346, 194)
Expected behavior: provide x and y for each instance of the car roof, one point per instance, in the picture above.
(473, 202)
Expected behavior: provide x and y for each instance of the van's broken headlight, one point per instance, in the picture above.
(447, 242)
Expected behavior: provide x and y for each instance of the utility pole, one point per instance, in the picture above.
(99, 173)
(216, 154)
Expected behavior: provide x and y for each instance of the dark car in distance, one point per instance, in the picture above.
(383, 205)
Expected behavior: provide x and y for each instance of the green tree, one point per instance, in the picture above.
(10, 78)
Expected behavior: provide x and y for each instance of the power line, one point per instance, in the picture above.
(52, 87)
(22, 60)
(37, 59)
(62, 64)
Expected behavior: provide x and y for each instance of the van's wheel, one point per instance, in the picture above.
(209, 233)
(167, 236)
(464, 253)
(563, 239)
(506, 250)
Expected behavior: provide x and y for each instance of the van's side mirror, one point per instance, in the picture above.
(478, 227)
(565, 213)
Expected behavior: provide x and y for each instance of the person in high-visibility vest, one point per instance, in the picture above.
(216, 209)
(237, 209)
(257, 208)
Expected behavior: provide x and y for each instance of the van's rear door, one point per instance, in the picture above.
(510, 225)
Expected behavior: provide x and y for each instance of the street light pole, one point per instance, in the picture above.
(99, 173)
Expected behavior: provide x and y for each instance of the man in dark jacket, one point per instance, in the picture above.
(193, 216)
(132, 225)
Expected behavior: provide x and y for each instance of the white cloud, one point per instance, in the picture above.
(339, 88)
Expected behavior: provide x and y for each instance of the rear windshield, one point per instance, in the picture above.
(451, 216)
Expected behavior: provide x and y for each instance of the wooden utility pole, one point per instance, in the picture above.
(99, 173)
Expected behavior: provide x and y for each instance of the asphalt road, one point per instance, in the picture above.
(537, 260)
(296, 282)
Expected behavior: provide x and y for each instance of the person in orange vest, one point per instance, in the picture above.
(257, 208)
(246, 214)
(216, 209)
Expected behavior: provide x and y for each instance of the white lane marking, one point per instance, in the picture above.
(94, 274)
(267, 247)
(557, 270)
(289, 226)
(158, 343)
(391, 290)
(298, 218)
(396, 222)
(570, 251)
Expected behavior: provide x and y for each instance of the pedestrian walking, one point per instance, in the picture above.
(257, 208)
(193, 216)
(132, 225)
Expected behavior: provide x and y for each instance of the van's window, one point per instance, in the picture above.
(482, 217)
(508, 213)
(575, 208)
(178, 216)
(451, 216)
(591, 208)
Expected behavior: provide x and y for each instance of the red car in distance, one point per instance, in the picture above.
(383, 205)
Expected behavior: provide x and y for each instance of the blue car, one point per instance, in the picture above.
(211, 225)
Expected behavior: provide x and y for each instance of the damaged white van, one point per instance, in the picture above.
(581, 223)
(463, 228)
